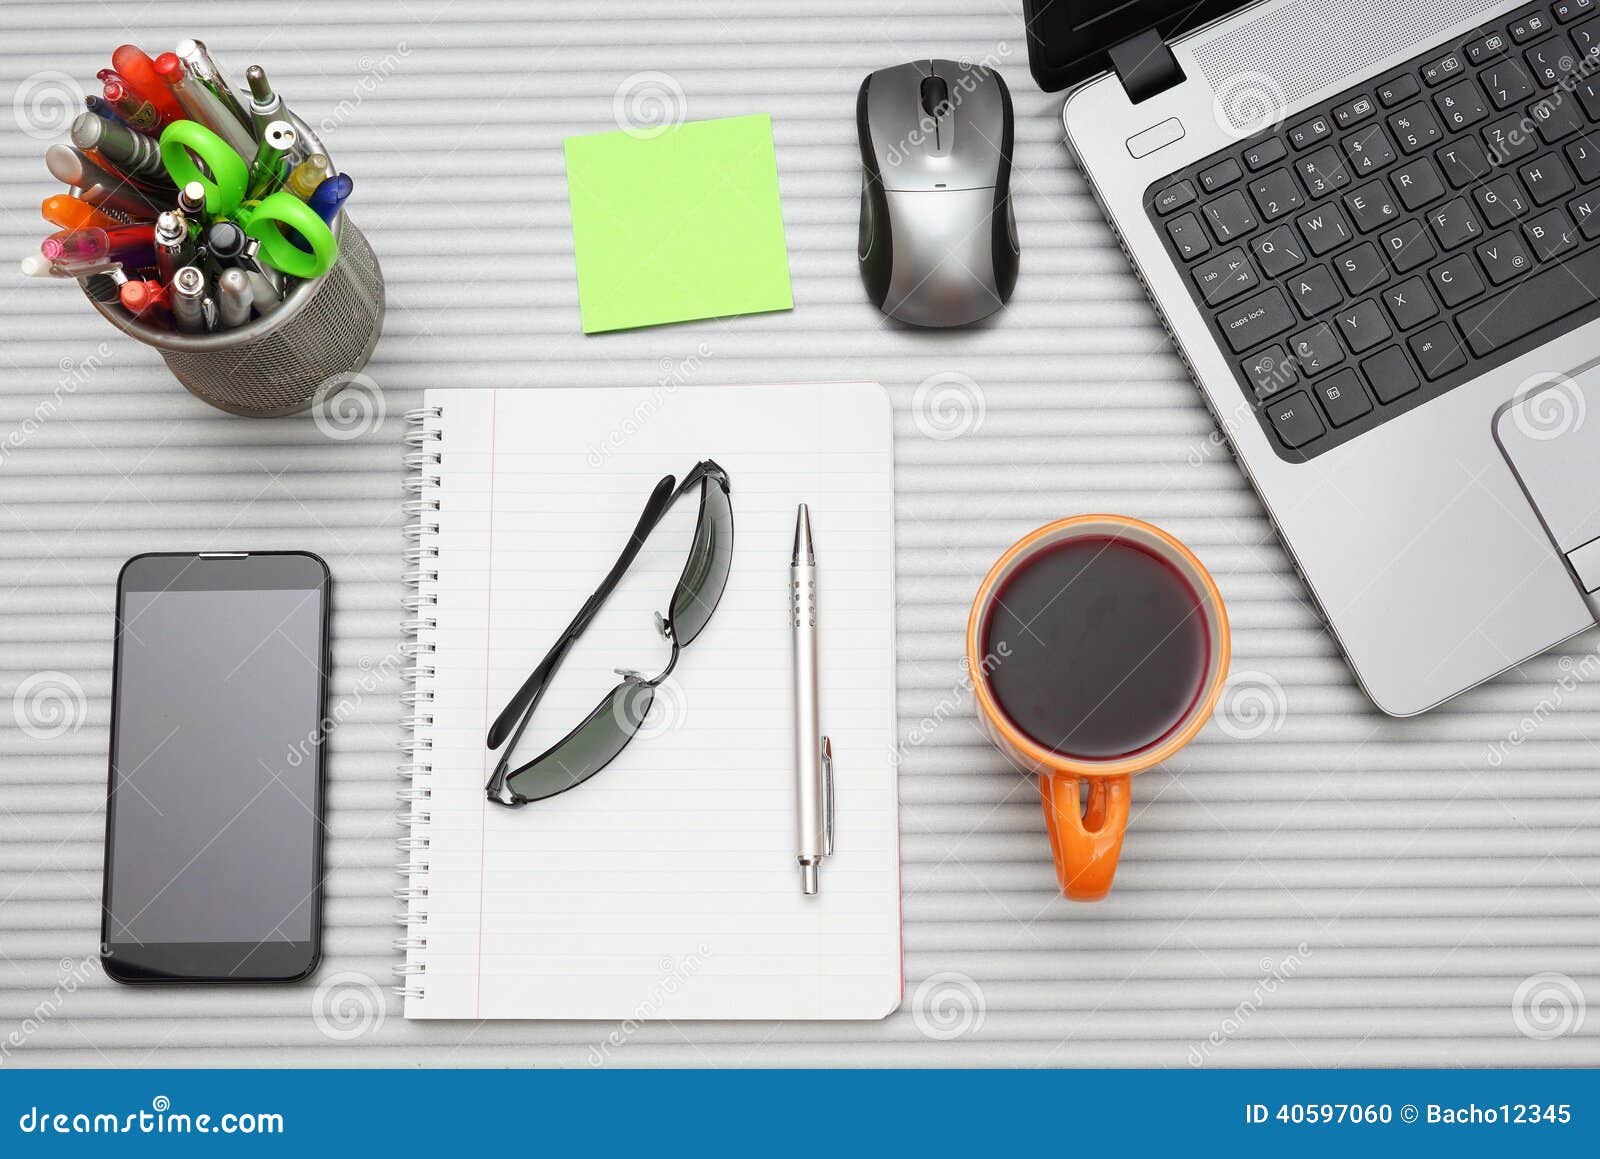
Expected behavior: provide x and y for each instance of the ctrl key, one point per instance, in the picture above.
(1295, 419)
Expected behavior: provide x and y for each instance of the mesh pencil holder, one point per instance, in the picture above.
(310, 346)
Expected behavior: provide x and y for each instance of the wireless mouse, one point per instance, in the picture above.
(938, 243)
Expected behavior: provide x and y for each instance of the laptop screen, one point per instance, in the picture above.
(1068, 40)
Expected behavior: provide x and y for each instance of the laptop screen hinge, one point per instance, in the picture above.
(1145, 65)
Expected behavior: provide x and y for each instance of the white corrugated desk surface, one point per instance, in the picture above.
(1341, 889)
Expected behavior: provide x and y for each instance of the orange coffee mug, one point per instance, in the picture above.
(1097, 647)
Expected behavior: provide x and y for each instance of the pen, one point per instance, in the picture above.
(813, 752)
(308, 175)
(67, 212)
(101, 107)
(135, 111)
(101, 189)
(129, 245)
(39, 266)
(330, 195)
(271, 164)
(189, 300)
(199, 65)
(173, 245)
(202, 105)
(147, 301)
(132, 152)
(233, 298)
(192, 200)
(138, 72)
(266, 106)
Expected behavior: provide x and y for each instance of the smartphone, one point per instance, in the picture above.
(214, 802)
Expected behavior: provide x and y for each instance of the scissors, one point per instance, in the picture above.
(267, 219)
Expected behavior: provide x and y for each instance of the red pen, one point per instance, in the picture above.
(132, 245)
(139, 71)
(147, 301)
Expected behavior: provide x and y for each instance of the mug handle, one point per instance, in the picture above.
(1085, 842)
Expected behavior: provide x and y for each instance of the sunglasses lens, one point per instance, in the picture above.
(590, 747)
(706, 573)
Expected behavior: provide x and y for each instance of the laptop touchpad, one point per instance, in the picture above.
(1550, 434)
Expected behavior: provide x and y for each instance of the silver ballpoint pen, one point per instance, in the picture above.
(813, 752)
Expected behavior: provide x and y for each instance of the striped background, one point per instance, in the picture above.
(1310, 883)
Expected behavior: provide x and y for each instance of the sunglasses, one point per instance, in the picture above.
(606, 731)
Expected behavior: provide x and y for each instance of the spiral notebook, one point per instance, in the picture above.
(666, 886)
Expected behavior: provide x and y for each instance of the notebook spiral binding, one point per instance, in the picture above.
(422, 459)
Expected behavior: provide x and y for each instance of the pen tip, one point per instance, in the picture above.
(803, 550)
(809, 879)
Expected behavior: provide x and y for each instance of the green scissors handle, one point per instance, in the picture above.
(267, 219)
(182, 142)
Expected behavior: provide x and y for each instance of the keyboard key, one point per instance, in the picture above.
(1586, 39)
(1371, 206)
(1314, 291)
(1586, 212)
(1279, 251)
(1354, 112)
(1263, 153)
(1174, 197)
(1556, 116)
(1363, 327)
(1454, 223)
(1456, 281)
(1527, 27)
(1547, 297)
(1187, 237)
(1217, 176)
(1407, 246)
(1229, 216)
(1295, 419)
(1270, 372)
(1438, 351)
(1550, 234)
(1463, 161)
(1487, 48)
(1317, 349)
(1417, 183)
(1502, 201)
(1324, 229)
(1588, 94)
(1361, 268)
(1584, 155)
(1275, 194)
(1441, 70)
(1550, 61)
(1369, 150)
(1546, 179)
(1225, 276)
(1409, 303)
(1461, 104)
(1504, 257)
(1415, 127)
(1389, 371)
(1566, 10)
(1309, 132)
(1254, 320)
(1397, 89)
(1343, 398)
(1509, 138)
(1322, 171)
(1507, 83)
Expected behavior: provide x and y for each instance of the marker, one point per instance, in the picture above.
(197, 61)
(271, 163)
(67, 212)
(330, 195)
(129, 245)
(148, 301)
(133, 153)
(189, 300)
(233, 298)
(309, 174)
(225, 242)
(134, 111)
(202, 105)
(39, 266)
(266, 106)
(139, 72)
(192, 200)
(174, 248)
(100, 188)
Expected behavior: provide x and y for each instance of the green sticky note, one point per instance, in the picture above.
(677, 224)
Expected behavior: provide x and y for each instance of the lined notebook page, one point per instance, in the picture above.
(667, 885)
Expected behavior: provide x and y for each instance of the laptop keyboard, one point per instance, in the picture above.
(1376, 251)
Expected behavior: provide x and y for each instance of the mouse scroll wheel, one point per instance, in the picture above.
(935, 96)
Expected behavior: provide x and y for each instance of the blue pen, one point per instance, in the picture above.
(104, 108)
(330, 195)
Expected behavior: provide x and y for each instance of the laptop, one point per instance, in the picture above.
(1373, 231)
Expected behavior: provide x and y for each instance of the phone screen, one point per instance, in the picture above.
(214, 825)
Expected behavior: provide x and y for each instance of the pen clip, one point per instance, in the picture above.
(827, 797)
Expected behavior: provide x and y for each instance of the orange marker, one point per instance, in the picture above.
(67, 212)
(139, 71)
